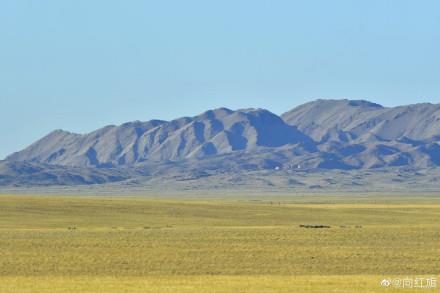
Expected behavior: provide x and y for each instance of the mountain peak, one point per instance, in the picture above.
(320, 134)
(363, 103)
(344, 102)
(215, 113)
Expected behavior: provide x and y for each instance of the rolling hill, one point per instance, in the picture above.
(319, 135)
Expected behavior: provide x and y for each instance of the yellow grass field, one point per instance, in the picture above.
(116, 244)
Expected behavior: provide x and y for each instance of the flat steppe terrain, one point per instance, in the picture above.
(138, 244)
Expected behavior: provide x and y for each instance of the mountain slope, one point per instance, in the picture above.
(214, 132)
(345, 120)
(220, 143)
(37, 174)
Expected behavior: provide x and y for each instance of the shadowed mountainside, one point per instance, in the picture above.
(323, 134)
(363, 121)
(214, 132)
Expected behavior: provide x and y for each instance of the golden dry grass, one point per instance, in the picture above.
(86, 244)
(202, 283)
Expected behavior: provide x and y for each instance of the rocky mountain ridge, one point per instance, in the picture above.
(319, 135)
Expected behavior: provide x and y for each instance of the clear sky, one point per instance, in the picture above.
(82, 64)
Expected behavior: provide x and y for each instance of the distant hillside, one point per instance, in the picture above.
(364, 121)
(214, 132)
(320, 135)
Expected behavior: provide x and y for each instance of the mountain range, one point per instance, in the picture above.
(319, 135)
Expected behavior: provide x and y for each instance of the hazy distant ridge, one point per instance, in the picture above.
(323, 134)
(214, 132)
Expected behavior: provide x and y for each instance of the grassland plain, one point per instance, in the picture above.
(133, 244)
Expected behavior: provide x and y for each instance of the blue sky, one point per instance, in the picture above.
(80, 64)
